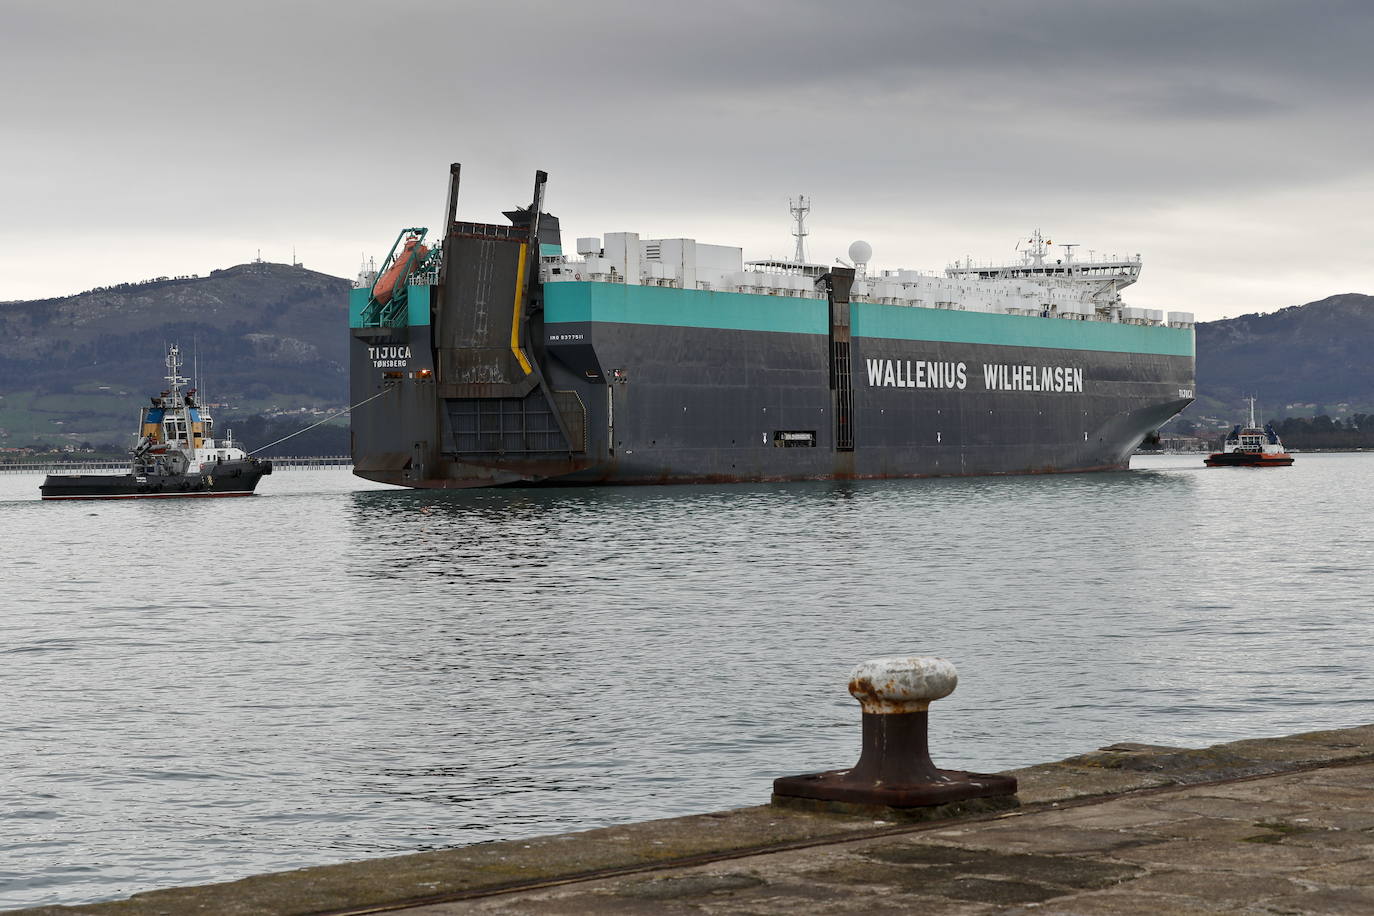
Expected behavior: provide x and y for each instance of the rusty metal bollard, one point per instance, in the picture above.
(894, 768)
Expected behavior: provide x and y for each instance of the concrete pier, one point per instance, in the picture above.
(1280, 825)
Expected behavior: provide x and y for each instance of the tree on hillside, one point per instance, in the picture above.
(256, 432)
(1324, 432)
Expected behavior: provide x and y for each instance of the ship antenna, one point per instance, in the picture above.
(174, 364)
(800, 207)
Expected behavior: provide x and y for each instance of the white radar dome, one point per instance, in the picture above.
(860, 252)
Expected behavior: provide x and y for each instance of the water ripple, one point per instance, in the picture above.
(199, 692)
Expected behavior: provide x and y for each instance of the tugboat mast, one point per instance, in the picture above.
(174, 377)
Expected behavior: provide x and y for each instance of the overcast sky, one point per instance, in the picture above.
(1227, 142)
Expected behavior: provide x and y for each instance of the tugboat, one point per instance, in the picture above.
(176, 455)
(1251, 447)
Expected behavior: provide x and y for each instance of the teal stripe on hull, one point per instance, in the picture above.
(357, 301)
(896, 322)
(417, 306)
(617, 303)
(682, 308)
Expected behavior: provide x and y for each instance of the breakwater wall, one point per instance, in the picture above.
(122, 466)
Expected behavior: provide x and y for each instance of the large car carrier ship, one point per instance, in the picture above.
(494, 358)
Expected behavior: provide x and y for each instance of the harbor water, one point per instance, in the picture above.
(199, 690)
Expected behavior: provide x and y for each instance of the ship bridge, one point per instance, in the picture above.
(1036, 263)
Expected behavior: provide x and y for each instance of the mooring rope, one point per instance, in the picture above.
(322, 422)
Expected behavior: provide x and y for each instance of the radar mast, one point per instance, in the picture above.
(174, 377)
(800, 207)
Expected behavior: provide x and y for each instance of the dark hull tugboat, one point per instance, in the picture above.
(176, 455)
(1251, 447)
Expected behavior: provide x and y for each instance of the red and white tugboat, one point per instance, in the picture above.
(176, 455)
(1251, 447)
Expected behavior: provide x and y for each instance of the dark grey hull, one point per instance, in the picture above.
(715, 405)
(235, 478)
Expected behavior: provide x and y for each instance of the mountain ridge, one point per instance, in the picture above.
(264, 337)
(271, 338)
(1311, 354)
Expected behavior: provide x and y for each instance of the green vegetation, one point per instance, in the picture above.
(266, 339)
(257, 432)
(270, 339)
(1278, 831)
(1323, 432)
(1300, 360)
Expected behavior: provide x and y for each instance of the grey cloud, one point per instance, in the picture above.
(335, 120)
(1193, 100)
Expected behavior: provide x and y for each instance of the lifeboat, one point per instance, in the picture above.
(395, 275)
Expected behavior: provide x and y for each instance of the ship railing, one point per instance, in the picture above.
(1024, 311)
(115, 468)
(1095, 260)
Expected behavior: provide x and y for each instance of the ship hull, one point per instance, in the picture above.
(674, 386)
(1248, 460)
(238, 478)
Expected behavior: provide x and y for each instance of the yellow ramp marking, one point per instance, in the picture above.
(515, 320)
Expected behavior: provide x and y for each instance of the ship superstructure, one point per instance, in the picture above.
(496, 358)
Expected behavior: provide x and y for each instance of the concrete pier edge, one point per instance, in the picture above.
(490, 869)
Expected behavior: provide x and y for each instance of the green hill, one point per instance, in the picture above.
(1299, 361)
(272, 340)
(267, 338)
